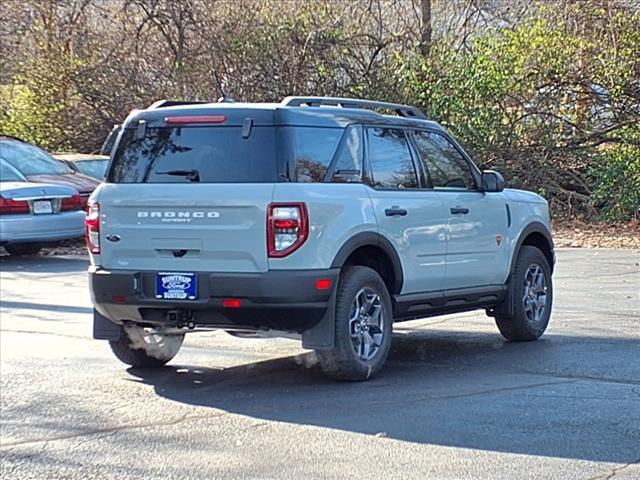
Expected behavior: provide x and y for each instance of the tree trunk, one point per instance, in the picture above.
(425, 28)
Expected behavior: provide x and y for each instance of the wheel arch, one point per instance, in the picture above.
(373, 250)
(537, 235)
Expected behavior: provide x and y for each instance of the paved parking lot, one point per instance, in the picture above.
(455, 400)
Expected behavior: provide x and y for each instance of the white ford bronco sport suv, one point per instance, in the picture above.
(315, 216)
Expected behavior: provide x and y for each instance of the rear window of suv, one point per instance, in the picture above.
(206, 154)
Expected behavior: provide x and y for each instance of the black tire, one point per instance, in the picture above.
(132, 349)
(519, 326)
(343, 362)
(23, 249)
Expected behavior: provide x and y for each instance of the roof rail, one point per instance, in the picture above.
(173, 103)
(401, 110)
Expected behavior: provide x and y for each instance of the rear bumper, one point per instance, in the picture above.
(277, 299)
(41, 228)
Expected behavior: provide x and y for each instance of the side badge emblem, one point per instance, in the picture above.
(498, 239)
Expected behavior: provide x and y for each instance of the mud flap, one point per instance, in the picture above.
(322, 335)
(506, 308)
(105, 329)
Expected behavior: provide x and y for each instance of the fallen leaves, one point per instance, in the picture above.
(577, 234)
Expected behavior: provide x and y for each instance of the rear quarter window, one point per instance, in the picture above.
(313, 150)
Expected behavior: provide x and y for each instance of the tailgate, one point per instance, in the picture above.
(184, 227)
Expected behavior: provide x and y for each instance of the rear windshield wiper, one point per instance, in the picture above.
(191, 175)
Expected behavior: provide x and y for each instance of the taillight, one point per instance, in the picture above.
(231, 303)
(71, 203)
(92, 227)
(8, 206)
(287, 228)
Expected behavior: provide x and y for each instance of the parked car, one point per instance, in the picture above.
(38, 166)
(318, 217)
(110, 140)
(94, 166)
(32, 214)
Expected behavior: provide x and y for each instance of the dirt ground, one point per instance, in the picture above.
(596, 235)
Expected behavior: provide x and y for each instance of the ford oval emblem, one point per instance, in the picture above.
(113, 238)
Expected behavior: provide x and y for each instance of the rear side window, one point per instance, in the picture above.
(204, 154)
(390, 159)
(314, 148)
(9, 174)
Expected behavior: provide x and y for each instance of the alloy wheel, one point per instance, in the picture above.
(535, 293)
(366, 323)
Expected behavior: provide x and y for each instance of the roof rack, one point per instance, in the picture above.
(401, 110)
(173, 103)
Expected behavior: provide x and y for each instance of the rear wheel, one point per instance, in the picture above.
(23, 249)
(532, 297)
(146, 347)
(363, 327)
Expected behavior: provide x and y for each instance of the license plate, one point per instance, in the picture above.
(41, 207)
(176, 286)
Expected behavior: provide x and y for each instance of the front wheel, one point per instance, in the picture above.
(363, 327)
(532, 292)
(146, 347)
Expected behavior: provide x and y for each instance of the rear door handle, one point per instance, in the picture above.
(393, 211)
(459, 210)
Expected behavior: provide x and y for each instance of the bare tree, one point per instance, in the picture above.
(425, 27)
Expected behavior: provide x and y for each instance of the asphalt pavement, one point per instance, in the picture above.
(455, 400)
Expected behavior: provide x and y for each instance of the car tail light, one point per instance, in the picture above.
(323, 284)
(92, 227)
(71, 203)
(231, 303)
(287, 228)
(8, 206)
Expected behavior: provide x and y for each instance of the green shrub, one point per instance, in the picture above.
(616, 176)
(23, 114)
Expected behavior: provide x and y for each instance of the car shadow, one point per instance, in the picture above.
(44, 264)
(563, 396)
(46, 307)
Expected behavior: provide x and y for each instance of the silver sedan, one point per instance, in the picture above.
(32, 214)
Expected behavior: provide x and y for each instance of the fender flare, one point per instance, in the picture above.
(533, 227)
(365, 239)
(507, 307)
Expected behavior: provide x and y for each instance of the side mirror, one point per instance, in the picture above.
(492, 181)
